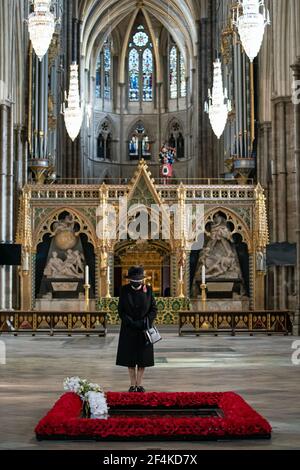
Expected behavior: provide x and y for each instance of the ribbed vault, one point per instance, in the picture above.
(100, 19)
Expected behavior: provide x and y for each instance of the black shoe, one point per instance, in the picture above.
(140, 389)
(132, 389)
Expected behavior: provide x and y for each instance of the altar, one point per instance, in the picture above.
(66, 234)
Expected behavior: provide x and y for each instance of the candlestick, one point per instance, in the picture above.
(87, 275)
(203, 275)
(181, 274)
(203, 294)
(87, 296)
(181, 294)
(108, 275)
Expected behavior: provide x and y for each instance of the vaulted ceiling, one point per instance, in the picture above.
(102, 18)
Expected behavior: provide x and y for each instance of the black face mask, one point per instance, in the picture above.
(136, 284)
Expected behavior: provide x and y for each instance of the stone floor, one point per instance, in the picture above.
(258, 368)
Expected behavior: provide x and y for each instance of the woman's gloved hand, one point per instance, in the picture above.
(135, 324)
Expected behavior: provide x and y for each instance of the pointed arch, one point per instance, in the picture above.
(176, 137)
(240, 226)
(139, 142)
(140, 63)
(109, 124)
(44, 227)
(178, 17)
(105, 139)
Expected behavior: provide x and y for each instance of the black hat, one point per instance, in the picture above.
(136, 273)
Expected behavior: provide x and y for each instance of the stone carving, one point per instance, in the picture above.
(71, 268)
(65, 286)
(219, 256)
(67, 224)
(261, 262)
(74, 262)
(64, 233)
(103, 260)
(54, 266)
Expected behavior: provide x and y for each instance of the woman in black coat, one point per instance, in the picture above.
(137, 310)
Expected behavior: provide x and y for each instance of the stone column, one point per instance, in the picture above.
(187, 274)
(264, 153)
(173, 274)
(296, 70)
(252, 280)
(6, 200)
(205, 147)
(122, 155)
(282, 184)
(159, 124)
(111, 274)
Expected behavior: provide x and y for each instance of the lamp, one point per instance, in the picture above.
(218, 105)
(73, 113)
(41, 26)
(251, 25)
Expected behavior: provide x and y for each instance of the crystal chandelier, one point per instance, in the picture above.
(41, 26)
(73, 113)
(251, 25)
(218, 105)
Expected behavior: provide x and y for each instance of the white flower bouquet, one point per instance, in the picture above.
(92, 395)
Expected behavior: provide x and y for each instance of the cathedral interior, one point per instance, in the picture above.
(141, 78)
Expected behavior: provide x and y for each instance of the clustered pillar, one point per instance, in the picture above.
(6, 200)
(296, 70)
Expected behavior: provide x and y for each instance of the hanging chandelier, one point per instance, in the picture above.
(218, 105)
(251, 25)
(73, 113)
(41, 26)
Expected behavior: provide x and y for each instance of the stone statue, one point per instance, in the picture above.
(65, 225)
(103, 260)
(71, 268)
(72, 265)
(219, 256)
(64, 233)
(54, 266)
(76, 259)
(220, 234)
(261, 262)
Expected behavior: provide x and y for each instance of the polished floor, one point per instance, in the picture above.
(258, 368)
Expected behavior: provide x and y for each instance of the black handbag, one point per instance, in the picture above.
(152, 334)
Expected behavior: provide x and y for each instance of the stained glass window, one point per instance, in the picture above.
(103, 72)
(147, 75)
(134, 71)
(98, 77)
(140, 66)
(107, 70)
(182, 77)
(177, 70)
(141, 39)
(139, 144)
(173, 72)
(146, 146)
(133, 146)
